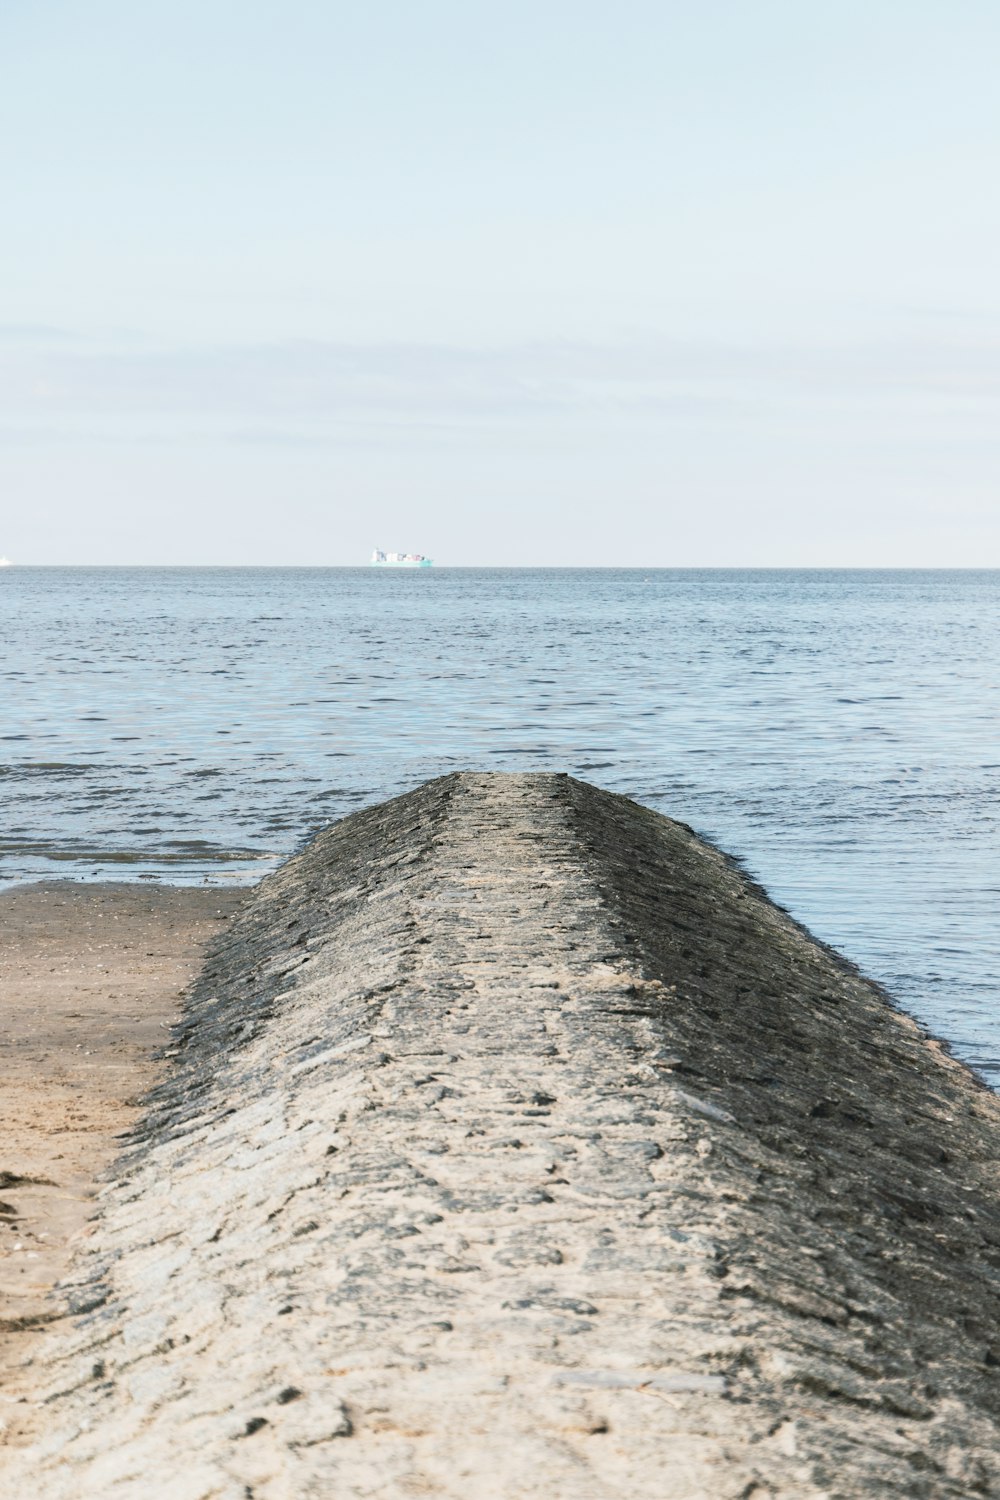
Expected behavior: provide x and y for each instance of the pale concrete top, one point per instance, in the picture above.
(515, 1145)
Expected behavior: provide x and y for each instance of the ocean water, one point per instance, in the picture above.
(838, 731)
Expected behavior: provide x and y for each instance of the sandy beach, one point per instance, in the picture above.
(91, 978)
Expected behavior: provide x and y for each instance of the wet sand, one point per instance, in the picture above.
(91, 978)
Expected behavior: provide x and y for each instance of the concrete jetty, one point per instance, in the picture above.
(514, 1144)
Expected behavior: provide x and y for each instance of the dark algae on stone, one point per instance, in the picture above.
(515, 1144)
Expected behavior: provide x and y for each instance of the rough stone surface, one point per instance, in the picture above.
(516, 1145)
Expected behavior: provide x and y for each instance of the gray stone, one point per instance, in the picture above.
(513, 1183)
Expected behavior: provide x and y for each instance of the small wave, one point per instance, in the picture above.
(194, 853)
(28, 768)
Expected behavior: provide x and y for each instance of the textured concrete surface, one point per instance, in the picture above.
(515, 1145)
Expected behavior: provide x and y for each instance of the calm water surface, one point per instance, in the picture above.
(838, 730)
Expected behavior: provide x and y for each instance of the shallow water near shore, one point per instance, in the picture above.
(837, 730)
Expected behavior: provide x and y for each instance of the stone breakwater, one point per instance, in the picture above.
(514, 1144)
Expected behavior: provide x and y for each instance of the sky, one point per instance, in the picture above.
(547, 282)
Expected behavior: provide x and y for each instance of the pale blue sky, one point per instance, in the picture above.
(533, 283)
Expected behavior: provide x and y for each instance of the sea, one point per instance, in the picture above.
(838, 732)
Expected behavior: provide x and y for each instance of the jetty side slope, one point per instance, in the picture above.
(515, 1145)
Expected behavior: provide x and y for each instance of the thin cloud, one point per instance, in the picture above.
(309, 391)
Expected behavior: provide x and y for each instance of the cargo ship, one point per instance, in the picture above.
(382, 559)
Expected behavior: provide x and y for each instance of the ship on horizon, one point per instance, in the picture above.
(380, 559)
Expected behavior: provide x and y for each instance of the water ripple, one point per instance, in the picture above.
(837, 730)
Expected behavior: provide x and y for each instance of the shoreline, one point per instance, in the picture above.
(115, 870)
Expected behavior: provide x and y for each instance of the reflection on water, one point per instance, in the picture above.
(837, 730)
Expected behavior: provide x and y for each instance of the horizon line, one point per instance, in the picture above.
(524, 567)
